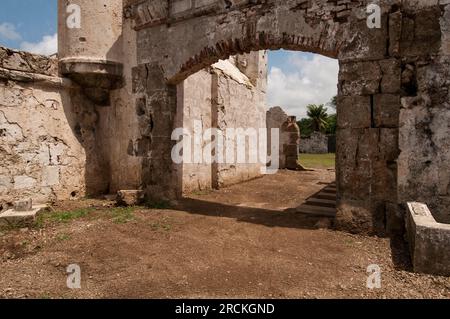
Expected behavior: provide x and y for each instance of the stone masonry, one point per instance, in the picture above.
(317, 143)
(387, 75)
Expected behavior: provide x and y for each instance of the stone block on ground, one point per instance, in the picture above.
(428, 241)
(20, 219)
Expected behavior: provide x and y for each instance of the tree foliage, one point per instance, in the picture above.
(333, 103)
(319, 120)
(318, 116)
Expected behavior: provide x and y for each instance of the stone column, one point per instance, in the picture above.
(291, 141)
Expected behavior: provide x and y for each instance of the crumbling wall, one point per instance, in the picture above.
(275, 118)
(196, 106)
(290, 132)
(220, 97)
(48, 142)
(237, 105)
(424, 137)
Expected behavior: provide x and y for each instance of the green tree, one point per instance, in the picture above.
(333, 103)
(305, 127)
(319, 117)
(331, 124)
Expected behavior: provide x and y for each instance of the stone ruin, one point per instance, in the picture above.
(289, 137)
(99, 118)
(317, 143)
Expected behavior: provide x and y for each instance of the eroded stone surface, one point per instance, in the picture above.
(317, 143)
(130, 197)
(428, 241)
(23, 218)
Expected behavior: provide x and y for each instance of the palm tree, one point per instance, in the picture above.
(333, 102)
(319, 117)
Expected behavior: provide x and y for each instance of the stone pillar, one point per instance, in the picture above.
(88, 53)
(291, 140)
(275, 119)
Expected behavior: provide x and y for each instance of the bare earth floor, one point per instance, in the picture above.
(236, 242)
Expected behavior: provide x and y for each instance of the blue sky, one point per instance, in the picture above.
(31, 19)
(296, 79)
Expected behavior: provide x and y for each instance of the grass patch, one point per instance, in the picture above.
(157, 205)
(122, 215)
(163, 224)
(323, 161)
(62, 216)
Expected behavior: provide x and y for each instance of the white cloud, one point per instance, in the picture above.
(8, 32)
(310, 81)
(47, 46)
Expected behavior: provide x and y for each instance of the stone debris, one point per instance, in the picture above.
(23, 206)
(130, 197)
(23, 214)
(429, 241)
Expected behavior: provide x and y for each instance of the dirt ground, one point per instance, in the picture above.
(238, 242)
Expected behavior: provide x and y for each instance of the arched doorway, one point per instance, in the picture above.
(177, 41)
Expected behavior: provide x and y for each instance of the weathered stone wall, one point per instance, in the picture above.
(196, 107)
(124, 127)
(317, 143)
(56, 144)
(48, 142)
(290, 137)
(379, 68)
(275, 118)
(424, 133)
(237, 105)
(222, 97)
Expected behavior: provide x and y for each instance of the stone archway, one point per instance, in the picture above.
(177, 38)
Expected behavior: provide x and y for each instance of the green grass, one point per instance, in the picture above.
(62, 216)
(163, 224)
(122, 215)
(160, 205)
(323, 161)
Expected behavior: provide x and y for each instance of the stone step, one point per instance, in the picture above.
(315, 211)
(321, 202)
(329, 190)
(323, 195)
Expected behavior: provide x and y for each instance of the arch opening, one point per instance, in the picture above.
(245, 92)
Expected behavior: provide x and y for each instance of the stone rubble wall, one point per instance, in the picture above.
(48, 143)
(317, 143)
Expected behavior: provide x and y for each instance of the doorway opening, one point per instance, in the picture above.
(256, 92)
